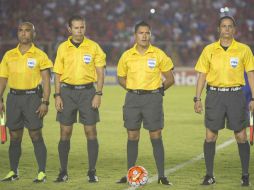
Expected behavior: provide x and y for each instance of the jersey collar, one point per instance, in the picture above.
(233, 45)
(31, 49)
(71, 45)
(149, 50)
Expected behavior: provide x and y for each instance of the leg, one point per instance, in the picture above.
(40, 150)
(244, 153)
(209, 153)
(14, 154)
(132, 122)
(92, 149)
(64, 145)
(158, 151)
(63, 151)
(92, 145)
(132, 150)
(132, 147)
(209, 150)
(15, 148)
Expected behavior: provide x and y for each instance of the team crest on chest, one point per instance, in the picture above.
(151, 63)
(31, 62)
(234, 62)
(87, 59)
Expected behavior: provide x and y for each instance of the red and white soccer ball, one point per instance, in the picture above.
(137, 176)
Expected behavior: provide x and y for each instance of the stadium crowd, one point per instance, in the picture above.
(179, 27)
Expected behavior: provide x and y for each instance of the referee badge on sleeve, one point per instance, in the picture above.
(234, 62)
(87, 59)
(151, 63)
(31, 62)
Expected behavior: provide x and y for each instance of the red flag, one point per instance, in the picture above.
(3, 128)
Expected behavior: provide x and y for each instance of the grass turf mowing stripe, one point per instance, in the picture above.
(191, 161)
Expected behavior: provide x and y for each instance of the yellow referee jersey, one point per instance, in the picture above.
(78, 65)
(225, 68)
(23, 71)
(143, 71)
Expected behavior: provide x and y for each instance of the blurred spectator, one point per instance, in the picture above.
(179, 27)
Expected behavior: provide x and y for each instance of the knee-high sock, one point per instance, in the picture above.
(63, 151)
(158, 153)
(244, 153)
(14, 155)
(209, 153)
(92, 149)
(132, 153)
(40, 152)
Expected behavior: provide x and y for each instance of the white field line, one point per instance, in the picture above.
(188, 162)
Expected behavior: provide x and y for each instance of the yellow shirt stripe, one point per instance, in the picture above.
(78, 65)
(225, 68)
(143, 71)
(23, 71)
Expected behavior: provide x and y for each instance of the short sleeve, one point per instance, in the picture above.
(100, 58)
(45, 62)
(202, 65)
(58, 66)
(166, 63)
(248, 60)
(4, 68)
(122, 67)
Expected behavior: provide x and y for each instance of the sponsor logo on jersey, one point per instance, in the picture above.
(87, 59)
(31, 62)
(234, 62)
(151, 63)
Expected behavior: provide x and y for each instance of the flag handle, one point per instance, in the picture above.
(251, 128)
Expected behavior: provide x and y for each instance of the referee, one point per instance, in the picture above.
(221, 65)
(79, 64)
(145, 72)
(24, 68)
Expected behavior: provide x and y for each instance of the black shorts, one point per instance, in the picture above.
(21, 112)
(78, 101)
(146, 108)
(229, 107)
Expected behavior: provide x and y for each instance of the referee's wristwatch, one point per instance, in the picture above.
(196, 99)
(99, 93)
(45, 102)
(56, 94)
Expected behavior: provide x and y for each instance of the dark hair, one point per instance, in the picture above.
(142, 23)
(226, 17)
(74, 17)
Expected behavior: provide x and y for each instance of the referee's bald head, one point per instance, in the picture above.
(27, 24)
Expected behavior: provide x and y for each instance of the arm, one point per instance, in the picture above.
(46, 84)
(199, 88)
(96, 102)
(250, 75)
(122, 81)
(100, 78)
(57, 83)
(58, 99)
(3, 82)
(168, 79)
(43, 108)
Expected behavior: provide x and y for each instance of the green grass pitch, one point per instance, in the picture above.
(183, 137)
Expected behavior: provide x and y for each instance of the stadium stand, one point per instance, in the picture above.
(179, 27)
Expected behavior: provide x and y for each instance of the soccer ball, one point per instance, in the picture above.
(137, 176)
